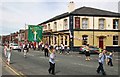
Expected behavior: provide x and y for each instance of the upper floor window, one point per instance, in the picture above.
(115, 23)
(84, 23)
(48, 26)
(77, 22)
(115, 40)
(55, 25)
(65, 24)
(101, 23)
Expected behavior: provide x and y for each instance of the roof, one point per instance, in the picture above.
(88, 11)
(85, 11)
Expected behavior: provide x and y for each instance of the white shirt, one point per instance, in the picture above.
(52, 58)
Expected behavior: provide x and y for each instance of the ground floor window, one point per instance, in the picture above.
(62, 39)
(65, 40)
(84, 39)
(115, 40)
(55, 39)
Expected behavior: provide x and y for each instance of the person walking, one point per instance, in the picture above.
(5, 50)
(25, 50)
(46, 51)
(87, 52)
(52, 61)
(8, 50)
(110, 59)
(101, 60)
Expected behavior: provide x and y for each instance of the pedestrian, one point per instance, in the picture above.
(110, 58)
(42, 46)
(46, 51)
(87, 52)
(5, 51)
(25, 50)
(9, 50)
(101, 60)
(52, 61)
(68, 49)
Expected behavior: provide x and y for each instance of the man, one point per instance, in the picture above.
(46, 51)
(101, 62)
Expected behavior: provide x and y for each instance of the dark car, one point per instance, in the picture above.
(93, 49)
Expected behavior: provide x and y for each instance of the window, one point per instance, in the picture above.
(65, 24)
(55, 25)
(77, 22)
(101, 23)
(65, 40)
(48, 26)
(55, 38)
(62, 39)
(84, 23)
(115, 23)
(84, 39)
(115, 40)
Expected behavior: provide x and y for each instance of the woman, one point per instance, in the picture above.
(52, 61)
(87, 53)
(5, 52)
(9, 50)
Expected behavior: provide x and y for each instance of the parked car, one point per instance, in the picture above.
(93, 49)
(15, 46)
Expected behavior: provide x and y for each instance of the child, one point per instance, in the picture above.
(52, 61)
(110, 59)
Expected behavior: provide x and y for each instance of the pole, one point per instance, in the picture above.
(93, 31)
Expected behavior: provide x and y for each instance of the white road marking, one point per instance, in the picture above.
(117, 59)
(82, 65)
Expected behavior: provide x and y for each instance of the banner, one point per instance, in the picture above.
(35, 33)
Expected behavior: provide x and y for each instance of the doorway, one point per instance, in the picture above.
(101, 42)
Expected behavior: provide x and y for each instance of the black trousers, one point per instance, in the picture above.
(100, 68)
(52, 68)
(110, 62)
(46, 52)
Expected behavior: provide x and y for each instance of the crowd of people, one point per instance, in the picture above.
(49, 51)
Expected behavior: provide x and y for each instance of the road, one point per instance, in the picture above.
(66, 64)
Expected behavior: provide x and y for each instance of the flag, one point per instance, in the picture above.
(35, 33)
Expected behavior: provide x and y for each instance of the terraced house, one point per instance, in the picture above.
(77, 27)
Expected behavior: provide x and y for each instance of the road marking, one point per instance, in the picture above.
(79, 56)
(11, 68)
(117, 59)
(82, 65)
(30, 54)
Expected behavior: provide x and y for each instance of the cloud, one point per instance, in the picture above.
(15, 14)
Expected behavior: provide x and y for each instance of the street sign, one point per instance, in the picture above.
(35, 33)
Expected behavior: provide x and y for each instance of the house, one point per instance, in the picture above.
(84, 25)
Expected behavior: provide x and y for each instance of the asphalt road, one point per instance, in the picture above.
(66, 64)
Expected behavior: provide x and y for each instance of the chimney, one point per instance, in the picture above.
(71, 6)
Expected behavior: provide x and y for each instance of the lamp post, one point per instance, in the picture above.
(93, 31)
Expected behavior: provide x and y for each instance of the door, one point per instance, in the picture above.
(101, 42)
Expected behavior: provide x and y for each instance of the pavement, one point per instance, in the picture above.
(66, 64)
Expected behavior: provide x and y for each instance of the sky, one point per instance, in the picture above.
(15, 14)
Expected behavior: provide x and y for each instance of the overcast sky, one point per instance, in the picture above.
(14, 14)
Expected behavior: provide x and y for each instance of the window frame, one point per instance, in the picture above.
(102, 24)
(116, 40)
(85, 24)
(65, 24)
(115, 24)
